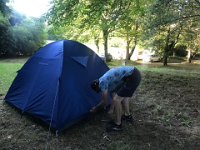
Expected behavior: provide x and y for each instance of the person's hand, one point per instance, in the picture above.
(93, 109)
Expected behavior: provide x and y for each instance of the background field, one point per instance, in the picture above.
(166, 109)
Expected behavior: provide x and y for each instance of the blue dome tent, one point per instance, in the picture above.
(54, 84)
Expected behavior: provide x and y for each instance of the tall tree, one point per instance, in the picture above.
(19, 34)
(191, 38)
(95, 15)
(170, 18)
(28, 36)
(131, 24)
(5, 34)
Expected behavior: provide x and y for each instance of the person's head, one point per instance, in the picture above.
(95, 86)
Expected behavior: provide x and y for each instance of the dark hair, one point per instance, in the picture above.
(95, 85)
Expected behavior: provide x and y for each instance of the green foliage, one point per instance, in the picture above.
(56, 34)
(171, 23)
(86, 20)
(154, 24)
(3, 20)
(21, 36)
(181, 50)
(4, 27)
(158, 45)
(4, 9)
(197, 55)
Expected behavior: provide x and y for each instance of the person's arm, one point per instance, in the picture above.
(104, 101)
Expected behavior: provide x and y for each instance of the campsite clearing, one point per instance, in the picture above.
(166, 108)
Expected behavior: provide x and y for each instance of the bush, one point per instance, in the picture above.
(197, 55)
(180, 51)
(109, 57)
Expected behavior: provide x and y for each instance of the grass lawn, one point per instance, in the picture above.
(166, 108)
(8, 70)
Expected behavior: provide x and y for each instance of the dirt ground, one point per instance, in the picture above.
(169, 113)
(166, 109)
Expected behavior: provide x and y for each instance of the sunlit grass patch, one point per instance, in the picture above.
(8, 71)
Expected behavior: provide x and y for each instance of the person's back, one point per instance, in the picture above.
(113, 78)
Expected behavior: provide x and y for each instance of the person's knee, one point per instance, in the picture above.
(117, 99)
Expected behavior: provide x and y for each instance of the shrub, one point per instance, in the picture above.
(109, 57)
(180, 51)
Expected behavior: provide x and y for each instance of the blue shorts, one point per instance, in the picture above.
(130, 85)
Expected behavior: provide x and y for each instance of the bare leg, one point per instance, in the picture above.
(118, 108)
(125, 104)
(111, 110)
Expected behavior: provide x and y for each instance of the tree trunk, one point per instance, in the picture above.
(169, 47)
(165, 60)
(134, 42)
(127, 47)
(190, 60)
(166, 49)
(96, 41)
(132, 50)
(105, 38)
(189, 56)
(129, 54)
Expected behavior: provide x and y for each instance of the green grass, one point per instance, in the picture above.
(166, 108)
(171, 69)
(8, 71)
(9, 68)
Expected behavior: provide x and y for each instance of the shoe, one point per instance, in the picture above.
(114, 127)
(128, 118)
